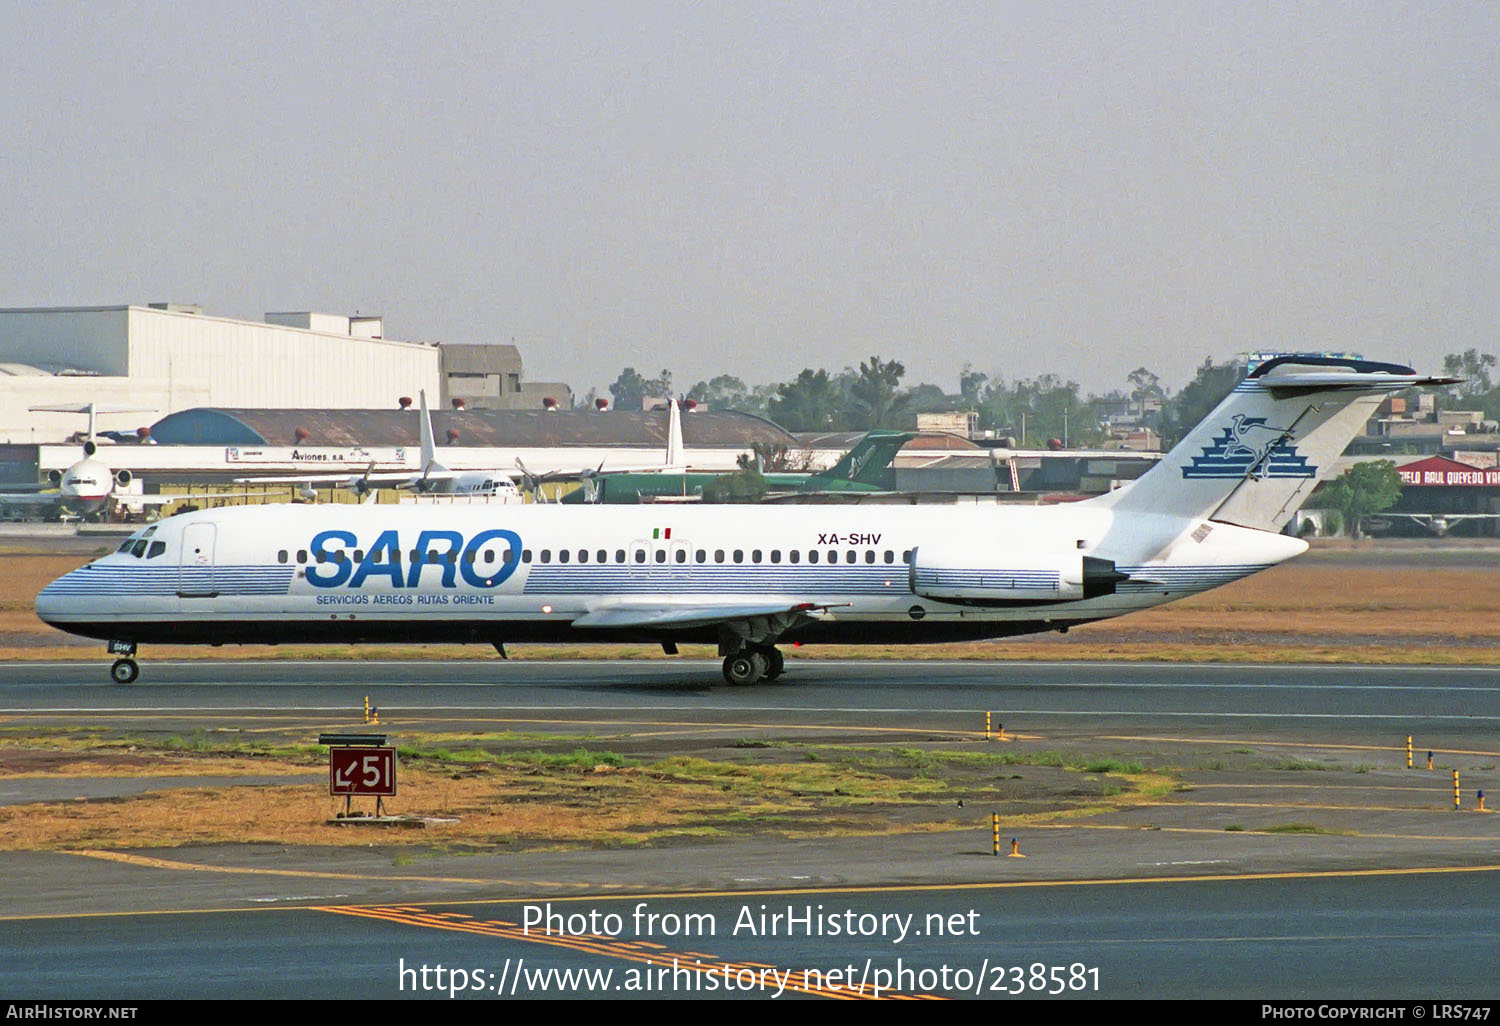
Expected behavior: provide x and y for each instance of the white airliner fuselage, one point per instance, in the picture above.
(746, 577)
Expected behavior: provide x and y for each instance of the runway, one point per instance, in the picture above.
(1378, 888)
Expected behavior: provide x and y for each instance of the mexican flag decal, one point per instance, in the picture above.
(659, 533)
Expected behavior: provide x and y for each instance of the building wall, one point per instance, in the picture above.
(168, 360)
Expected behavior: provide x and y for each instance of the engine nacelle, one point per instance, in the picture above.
(123, 478)
(980, 575)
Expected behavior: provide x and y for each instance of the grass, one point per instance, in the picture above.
(563, 795)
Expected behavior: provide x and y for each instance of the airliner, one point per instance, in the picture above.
(748, 578)
(88, 487)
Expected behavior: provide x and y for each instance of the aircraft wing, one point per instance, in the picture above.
(31, 498)
(683, 615)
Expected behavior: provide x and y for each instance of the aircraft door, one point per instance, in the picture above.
(195, 567)
(679, 570)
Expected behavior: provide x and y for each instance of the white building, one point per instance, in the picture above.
(163, 358)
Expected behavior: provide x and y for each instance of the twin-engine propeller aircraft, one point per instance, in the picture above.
(746, 577)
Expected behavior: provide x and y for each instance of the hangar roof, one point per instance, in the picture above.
(493, 428)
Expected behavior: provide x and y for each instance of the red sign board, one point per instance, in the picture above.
(362, 772)
(1446, 473)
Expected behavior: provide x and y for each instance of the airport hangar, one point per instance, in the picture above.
(213, 398)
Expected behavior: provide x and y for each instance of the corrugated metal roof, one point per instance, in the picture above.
(491, 428)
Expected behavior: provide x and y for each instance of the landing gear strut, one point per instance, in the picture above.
(753, 663)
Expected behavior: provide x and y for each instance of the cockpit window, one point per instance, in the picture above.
(157, 548)
(138, 549)
(125, 545)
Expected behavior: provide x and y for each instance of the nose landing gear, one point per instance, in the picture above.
(124, 670)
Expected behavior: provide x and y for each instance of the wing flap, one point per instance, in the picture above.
(680, 616)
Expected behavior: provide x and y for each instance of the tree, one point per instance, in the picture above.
(724, 392)
(1363, 490)
(1474, 367)
(1144, 386)
(628, 390)
(742, 486)
(811, 402)
(1198, 397)
(875, 391)
(971, 385)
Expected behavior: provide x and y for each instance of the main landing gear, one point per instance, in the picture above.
(124, 670)
(753, 663)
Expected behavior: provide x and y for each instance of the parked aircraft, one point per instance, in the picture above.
(746, 577)
(436, 479)
(89, 487)
(864, 468)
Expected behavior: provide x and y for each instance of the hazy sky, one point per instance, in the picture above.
(756, 188)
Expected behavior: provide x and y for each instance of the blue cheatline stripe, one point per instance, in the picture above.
(166, 580)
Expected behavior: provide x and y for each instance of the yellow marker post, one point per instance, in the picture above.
(995, 829)
(1408, 751)
(1455, 791)
(1429, 760)
(1015, 850)
(986, 726)
(1481, 801)
(367, 708)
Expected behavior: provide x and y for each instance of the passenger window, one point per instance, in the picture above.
(640, 555)
(619, 555)
(755, 556)
(602, 556)
(546, 555)
(718, 555)
(812, 555)
(739, 555)
(850, 556)
(701, 556)
(661, 555)
(281, 556)
(471, 557)
(906, 556)
(680, 555)
(320, 556)
(526, 555)
(583, 555)
(359, 555)
(794, 555)
(508, 556)
(489, 556)
(833, 555)
(869, 555)
(776, 555)
(890, 557)
(302, 555)
(562, 555)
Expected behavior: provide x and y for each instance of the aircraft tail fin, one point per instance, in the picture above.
(674, 435)
(1257, 457)
(869, 462)
(429, 443)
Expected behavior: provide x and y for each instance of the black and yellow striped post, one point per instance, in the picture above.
(367, 708)
(986, 726)
(995, 830)
(1408, 751)
(1455, 791)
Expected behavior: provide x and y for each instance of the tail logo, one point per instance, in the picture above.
(1249, 447)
